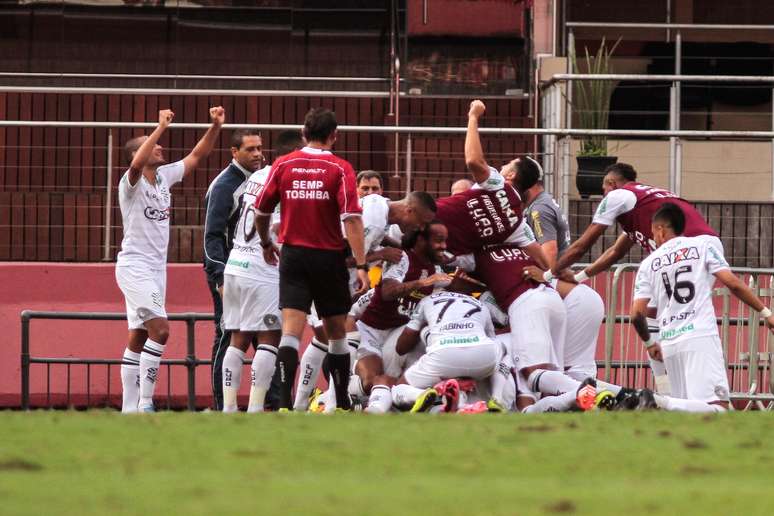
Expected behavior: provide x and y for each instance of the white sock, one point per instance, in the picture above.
(604, 386)
(353, 341)
(232, 377)
(130, 381)
(261, 371)
(561, 403)
(309, 370)
(405, 395)
(660, 377)
(500, 379)
(380, 400)
(681, 405)
(356, 386)
(150, 360)
(551, 382)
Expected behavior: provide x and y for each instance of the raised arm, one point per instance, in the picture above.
(474, 153)
(578, 248)
(204, 146)
(611, 256)
(142, 154)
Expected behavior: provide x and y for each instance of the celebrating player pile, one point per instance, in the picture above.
(475, 309)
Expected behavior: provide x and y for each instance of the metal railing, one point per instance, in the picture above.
(175, 77)
(190, 362)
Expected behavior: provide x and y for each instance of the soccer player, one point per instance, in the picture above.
(251, 296)
(369, 182)
(401, 287)
(461, 185)
(141, 267)
(491, 211)
(537, 317)
(631, 204)
(222, 211)
(679, 276)
(316, 191)
(585, 308)
(460, 343)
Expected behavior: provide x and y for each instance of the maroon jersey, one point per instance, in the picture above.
(384, 315)
(635, 215)
(315, 191)
(501, 267)
(479, 217)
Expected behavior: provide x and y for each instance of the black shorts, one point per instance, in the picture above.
(314, 275)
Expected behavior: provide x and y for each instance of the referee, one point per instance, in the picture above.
(316, 192)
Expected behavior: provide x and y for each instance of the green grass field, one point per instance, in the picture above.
(181, 463)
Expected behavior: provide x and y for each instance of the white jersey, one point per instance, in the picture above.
(246, 256)
(375, 226)
(145, 210)
(679, 277)
(454, 320)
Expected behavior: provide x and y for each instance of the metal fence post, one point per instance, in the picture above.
(108, 196)
(612, 298)
(408, 163)
(25, 360)
(190, 361)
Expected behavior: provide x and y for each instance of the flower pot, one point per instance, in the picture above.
(591, 171)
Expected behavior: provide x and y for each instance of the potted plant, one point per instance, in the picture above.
(591, 101)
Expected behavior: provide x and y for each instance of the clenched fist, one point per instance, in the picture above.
(477, 109)
(165, 117)
(218, 115)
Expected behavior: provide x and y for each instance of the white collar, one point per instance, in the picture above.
(246, 172)
(312, 150)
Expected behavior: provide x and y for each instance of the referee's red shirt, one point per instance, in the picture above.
(316, 191)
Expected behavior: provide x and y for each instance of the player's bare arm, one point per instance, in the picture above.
(551, 251)
(204, 146)
(142, 155)
(407, 341)
(393, 289)
(535, 251)
(353, 230)
(639, 319)
(579, 247)
(386, 254)
(474, 153)
(742, 292)
(263, 226)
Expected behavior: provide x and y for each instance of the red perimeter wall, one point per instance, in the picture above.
(90, 287)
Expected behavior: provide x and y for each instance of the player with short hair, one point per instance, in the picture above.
(141, 266)
(491, 211)
(679, 276)
(369, 182)
(251, 292)
(316, 192)
(461, 185)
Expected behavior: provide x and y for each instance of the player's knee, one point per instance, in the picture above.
(159, 332)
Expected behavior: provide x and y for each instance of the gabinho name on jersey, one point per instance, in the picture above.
(672, 257)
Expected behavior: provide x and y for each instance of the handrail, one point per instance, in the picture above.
(557, 77)
(696, 26)
(390, 129)
(193, 91)
(68, 75)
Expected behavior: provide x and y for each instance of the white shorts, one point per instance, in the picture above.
(144, 292)
(521, 387)
(250, 305)
(372, 339)
(395, 364)
(538, 320)
(585, 312)
(476, 362)
(696, 369)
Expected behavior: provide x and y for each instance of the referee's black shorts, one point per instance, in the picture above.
(314, 275)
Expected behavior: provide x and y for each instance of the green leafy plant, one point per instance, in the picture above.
(591, 99)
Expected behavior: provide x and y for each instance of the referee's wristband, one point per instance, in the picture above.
(548, 276)
(581, 276)
(766, 312)
(651, 341)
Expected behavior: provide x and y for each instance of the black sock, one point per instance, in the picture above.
(287, 364)
(339, 365)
